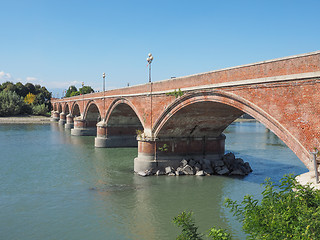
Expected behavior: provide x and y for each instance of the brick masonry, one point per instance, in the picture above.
(283, 94)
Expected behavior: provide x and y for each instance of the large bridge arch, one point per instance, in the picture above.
(121, 106)
(66, 108)
(92, 114)
(75, 109)
(235, 105)
(60, 107)
(120, 127)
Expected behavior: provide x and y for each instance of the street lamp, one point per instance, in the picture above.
(82, 84)
(104, 77)
(149, 60)
(104, 105)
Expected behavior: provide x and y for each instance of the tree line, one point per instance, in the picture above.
(16, 99)
(73, 91)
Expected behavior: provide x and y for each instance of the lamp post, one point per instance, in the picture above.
(104, 100)
(82, 84)
(149, 60)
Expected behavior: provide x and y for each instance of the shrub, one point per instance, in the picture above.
(189, 229)
(10, 103)
(40, 110)
(287, 210)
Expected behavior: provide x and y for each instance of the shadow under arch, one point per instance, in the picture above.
(66, 108)
(60, 108)
(233, 103)
(75, 109)
(123, 102)
(123, 124)
(92, 114)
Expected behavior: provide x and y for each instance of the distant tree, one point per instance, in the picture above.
(29, 99)
(21, 90)
(75, 94)
(86, 89)
(30, 88)
(10, 103)
(71, 90)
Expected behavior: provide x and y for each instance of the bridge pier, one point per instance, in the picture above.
(160, 153)
(112, 136)
(81, 129)
(55, 117)
(62, 120)
(69, 123)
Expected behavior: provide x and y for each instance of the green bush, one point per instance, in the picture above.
(10, 103)
(189, 229)
(40, 109)
(287, 210)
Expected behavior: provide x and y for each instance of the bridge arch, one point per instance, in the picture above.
(197, 102)
(75, 109)
(122, 106)
(66, 108)
(60, 108)
(92, 114)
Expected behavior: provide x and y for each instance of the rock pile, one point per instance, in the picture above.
(228, 165)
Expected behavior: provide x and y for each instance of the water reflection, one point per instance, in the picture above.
(73, 190)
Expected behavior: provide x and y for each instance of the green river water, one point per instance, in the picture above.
(57, 186)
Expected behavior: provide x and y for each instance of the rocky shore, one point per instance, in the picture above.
(25, 119)
(228, 165)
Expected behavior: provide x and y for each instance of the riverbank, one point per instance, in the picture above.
(308, 177)
(25, 119)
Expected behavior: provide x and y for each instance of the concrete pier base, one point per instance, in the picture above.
(169, 152)
(83, 131)
(62, 121)
(55, 116)
(115, 142)
(69, 125)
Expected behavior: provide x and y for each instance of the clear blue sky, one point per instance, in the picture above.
(57, 43)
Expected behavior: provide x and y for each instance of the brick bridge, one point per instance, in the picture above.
(167, 124)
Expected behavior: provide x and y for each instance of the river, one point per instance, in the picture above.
(57, 186)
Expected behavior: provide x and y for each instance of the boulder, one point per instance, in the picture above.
(188, 170)
(218, 163)
(159, 172)
(200, 173)
(197, 167)
(179, 173)
(208, 169)
(183, 162)
(168, 170)
(223, 171)
(142, 173)
(171, 174)
(192, 163)
(247, 166)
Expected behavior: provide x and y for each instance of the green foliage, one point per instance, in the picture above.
(29, 99)
(75, 94)
(10, 103)
(189, 229)
(40, 109)
(71, 90)
(287, 210)
(13, 94)
(175, 93)
(86, 89)
(164, 148)
(219, 234)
